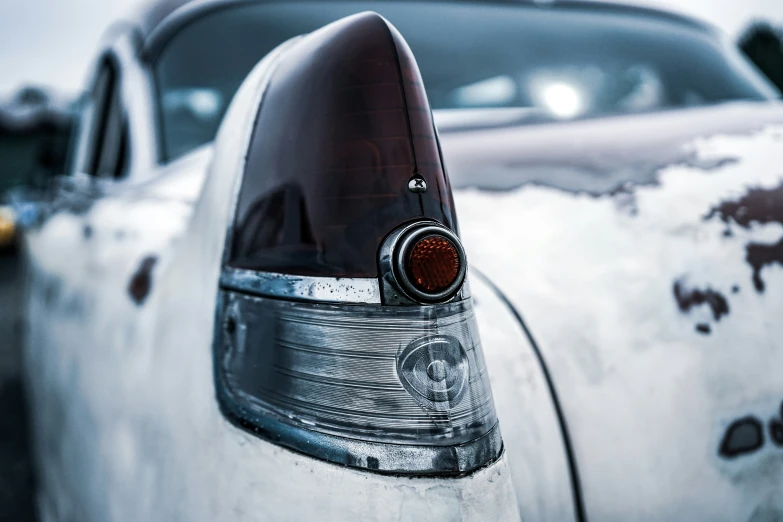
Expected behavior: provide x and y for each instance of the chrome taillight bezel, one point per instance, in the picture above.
(396, 286)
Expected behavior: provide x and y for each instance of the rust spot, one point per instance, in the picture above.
(141, 282)
(743, 436)
(757, 206)
(776, 432)
(688, 298)
(759, 255)
(703, 328)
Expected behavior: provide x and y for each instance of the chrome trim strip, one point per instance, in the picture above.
(397, 459)
(305, 288)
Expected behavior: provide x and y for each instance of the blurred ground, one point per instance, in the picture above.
(16, 477)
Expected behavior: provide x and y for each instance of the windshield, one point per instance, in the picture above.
(548, 62)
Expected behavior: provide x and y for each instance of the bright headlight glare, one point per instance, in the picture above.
(563, 100)
(411, 376)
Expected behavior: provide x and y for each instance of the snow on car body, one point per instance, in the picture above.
(629, 390)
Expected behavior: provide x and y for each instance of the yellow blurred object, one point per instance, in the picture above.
(7, 226)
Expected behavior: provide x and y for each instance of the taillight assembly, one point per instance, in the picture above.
(344, 328)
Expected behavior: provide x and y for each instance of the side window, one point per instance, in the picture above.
(107, 148)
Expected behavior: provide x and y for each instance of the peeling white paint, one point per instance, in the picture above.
(126, 422)
(646, 397)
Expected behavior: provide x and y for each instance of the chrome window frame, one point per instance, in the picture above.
(122, 45)
(85, 126)
(138, 100)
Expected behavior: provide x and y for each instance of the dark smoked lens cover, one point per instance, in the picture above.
(344, 124)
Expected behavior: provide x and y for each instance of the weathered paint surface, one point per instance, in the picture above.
(650, 290)
(616, 300)
(120, 369)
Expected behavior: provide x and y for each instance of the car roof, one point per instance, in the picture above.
(161, 16)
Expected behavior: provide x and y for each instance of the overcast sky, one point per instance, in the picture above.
(50, 42)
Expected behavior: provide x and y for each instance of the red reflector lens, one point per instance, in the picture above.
(433, 264)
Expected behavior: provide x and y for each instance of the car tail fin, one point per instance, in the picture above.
(344, 128)
(344, 326)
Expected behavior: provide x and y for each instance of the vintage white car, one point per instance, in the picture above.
(250, 301)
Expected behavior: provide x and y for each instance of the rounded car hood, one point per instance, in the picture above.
(595, 155)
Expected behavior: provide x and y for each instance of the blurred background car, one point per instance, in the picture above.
(35, 132)
(762, 42)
